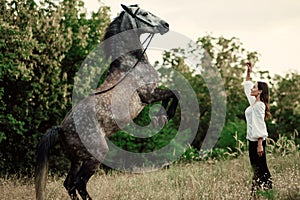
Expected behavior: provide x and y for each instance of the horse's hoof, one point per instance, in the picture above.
(162, 120)
(154, 121)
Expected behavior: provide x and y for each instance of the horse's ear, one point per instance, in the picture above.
(128, 10)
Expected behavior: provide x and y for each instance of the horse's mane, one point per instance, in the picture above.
(114, 26)
(111, 48)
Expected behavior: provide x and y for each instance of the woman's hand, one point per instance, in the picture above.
(249, 67)
(249, 70)
(260, 150)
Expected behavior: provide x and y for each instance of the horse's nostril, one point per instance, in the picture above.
(164, 24)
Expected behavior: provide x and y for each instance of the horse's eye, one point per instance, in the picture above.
(144, 14)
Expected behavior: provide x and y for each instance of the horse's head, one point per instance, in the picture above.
(143, 20)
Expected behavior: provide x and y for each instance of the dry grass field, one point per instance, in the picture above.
(228, 179)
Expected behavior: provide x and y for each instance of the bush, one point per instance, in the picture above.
(41, 49)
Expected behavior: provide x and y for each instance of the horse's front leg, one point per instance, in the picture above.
(167, 111)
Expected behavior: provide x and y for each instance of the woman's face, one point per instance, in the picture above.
(255, 91)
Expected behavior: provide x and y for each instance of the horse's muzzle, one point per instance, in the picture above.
(164, 28)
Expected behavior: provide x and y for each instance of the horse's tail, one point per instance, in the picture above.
(41, 171)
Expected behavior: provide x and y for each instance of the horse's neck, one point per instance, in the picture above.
(125, 50)
(125, 64)
(120, 68)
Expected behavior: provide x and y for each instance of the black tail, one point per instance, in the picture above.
(41, 171)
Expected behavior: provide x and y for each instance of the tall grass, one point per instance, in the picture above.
(209, 179)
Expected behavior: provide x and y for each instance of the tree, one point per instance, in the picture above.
(229, 57)
(285, 107)
(42, 46)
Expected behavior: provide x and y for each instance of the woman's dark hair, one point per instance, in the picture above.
(265, 97)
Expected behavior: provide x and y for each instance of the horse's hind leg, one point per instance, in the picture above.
(87, 169)
(70, 180)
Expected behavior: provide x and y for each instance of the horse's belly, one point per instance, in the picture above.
(114, 111)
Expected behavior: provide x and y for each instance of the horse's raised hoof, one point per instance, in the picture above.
(154, 121)
(162, 120)
(159, 121)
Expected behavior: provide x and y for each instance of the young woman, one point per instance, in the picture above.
(256, 114)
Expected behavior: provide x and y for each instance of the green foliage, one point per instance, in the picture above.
(282, 147)
(192, 154)
(269, 194)
(229, 57)
(285, 101)
(151, 140)
(232, 135)
(42, 46)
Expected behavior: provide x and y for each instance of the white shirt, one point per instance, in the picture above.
(255, 114)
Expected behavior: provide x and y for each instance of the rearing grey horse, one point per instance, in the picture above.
(130, 78)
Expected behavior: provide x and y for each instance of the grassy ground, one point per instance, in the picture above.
(229, 179)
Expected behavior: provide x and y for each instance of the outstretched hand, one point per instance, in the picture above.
(249, 67)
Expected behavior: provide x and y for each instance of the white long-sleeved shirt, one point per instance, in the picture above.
(255, 114)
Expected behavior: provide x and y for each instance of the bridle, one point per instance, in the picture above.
(150, 36)
(135, 16)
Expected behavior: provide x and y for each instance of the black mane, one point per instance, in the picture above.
(112, 48)
(114, 26)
